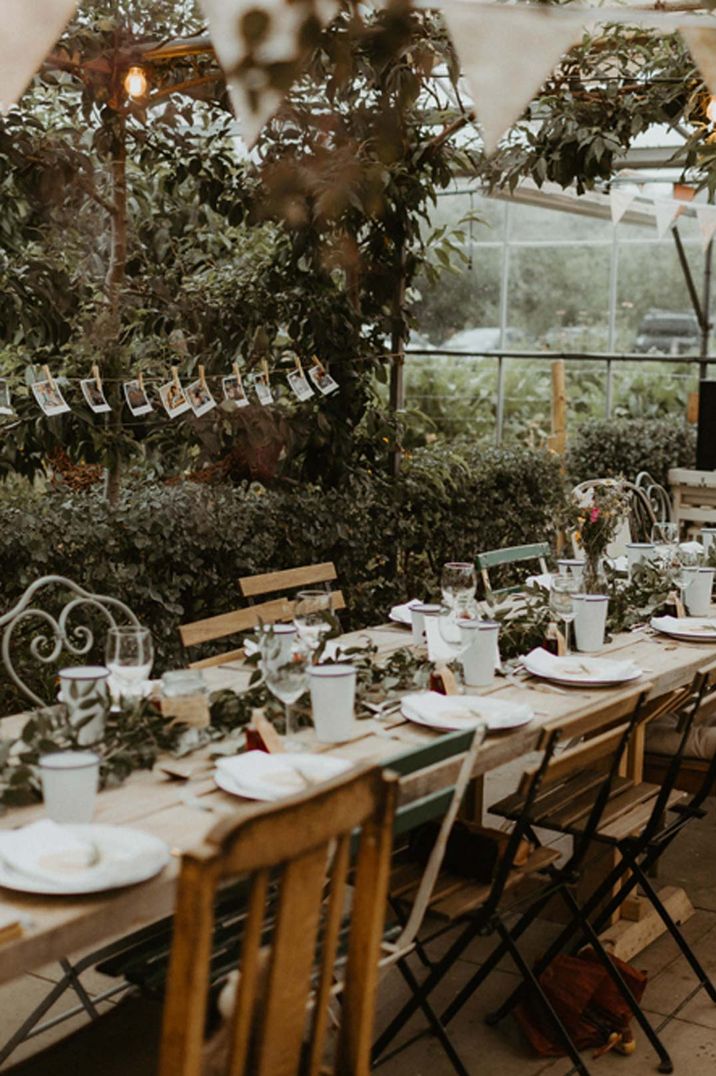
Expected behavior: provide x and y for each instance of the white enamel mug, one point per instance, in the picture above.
(417, 620)
(69, 785)
(590, 621)
(697, 593)
(333, 693)
(481, 654)
(638, 552)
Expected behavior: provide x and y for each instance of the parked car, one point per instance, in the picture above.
(667, 333)
(475, 341)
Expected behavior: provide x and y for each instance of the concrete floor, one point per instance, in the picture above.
(689, 1026)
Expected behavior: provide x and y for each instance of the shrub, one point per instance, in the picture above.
(609, 447)
(175, 553)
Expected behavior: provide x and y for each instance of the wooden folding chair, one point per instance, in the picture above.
(588, 770)
(269, 612)
(515, 554)
(297, 845)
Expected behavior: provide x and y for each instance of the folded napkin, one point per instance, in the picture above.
(50, 853)
(463, 711)
(258, 775)
(544, 580)
(401, 613)
(542, 663)
(686, 625)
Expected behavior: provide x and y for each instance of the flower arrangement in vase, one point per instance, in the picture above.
(595, 518)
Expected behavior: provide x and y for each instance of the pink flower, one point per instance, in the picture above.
(594, 515)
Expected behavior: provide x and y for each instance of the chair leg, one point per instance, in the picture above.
(433, 1020)
(665, 1062)
(440, 969)
(533, 981)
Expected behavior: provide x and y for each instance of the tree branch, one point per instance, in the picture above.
(89, 188)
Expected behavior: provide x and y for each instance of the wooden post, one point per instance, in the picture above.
(692, 407)
(558, 440)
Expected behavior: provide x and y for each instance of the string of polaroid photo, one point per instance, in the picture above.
(176, 398)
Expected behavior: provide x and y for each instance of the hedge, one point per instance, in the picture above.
(609, 447)
(174, 553)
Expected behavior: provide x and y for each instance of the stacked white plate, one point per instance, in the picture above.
(453, 712)
(701, 629)
(257, 775)
(400, 614)
(579, 670)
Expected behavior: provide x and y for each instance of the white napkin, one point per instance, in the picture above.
(578, 667)
(704, 626)
(258, 775)
(463, 711)
(51, 853)
(544, 580)
(401, 613)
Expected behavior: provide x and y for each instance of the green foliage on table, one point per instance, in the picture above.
(608, 448)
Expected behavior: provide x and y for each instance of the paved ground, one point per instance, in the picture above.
(689, 1034)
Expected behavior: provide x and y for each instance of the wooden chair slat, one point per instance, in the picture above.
(282, 1019)
(252, 586)
(515, 554)
(577, 758)
(246, 996)
(634, 821)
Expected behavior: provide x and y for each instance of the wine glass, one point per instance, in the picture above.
(458, 583)
(561, 601)
(129, 656)
(286, 675)
(313, 616)
(665, 536)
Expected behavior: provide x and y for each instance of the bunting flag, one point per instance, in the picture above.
(620, 198)
(702, 46)
(262, 46)
(506, 53)
(666, 212)
(29, 30)
(706, 220)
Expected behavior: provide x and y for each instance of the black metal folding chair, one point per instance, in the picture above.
(588, 773)
(641, 834)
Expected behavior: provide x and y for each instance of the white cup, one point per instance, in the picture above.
(69, 785)
(84, 690)
(417, 620)
(481, 654)
(333, 693)
(638, 552)
(590, 621)
(573, 566)
(708, 536)
(697, 592)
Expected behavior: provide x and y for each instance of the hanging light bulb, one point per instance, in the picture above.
(135, 82)
(711, 110)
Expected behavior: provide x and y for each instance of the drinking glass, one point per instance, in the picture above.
(286, 676)
(665, 535)
(561, 601)
(129, 656)
(458, 583)
(313, 616)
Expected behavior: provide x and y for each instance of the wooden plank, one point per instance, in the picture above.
(625, 939)
(558, 440)
(253, 586)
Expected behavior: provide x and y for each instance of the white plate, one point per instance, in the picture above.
(250, 773)
(697, 633)
(584, 681)
(495, 713)
(152, 855)
(400, 614)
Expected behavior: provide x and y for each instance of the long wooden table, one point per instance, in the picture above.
(151, 801)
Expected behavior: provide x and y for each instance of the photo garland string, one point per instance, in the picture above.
(177, 399)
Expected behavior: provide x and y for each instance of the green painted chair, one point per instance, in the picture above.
(514, 554)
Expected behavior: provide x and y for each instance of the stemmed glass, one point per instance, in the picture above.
(285, 672)
(665, 537)
(458, 583)
(561, 601)
(129, 656)
(313, 616)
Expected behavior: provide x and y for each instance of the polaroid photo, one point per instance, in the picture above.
(174, 399)
(137, 400)
(94, 395)
(301, 389)
(234, 391)
(263, 392)
(5, 405)
(49, 398)
(199, 397)
(322, 380)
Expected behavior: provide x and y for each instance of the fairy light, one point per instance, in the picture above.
(135, 82)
